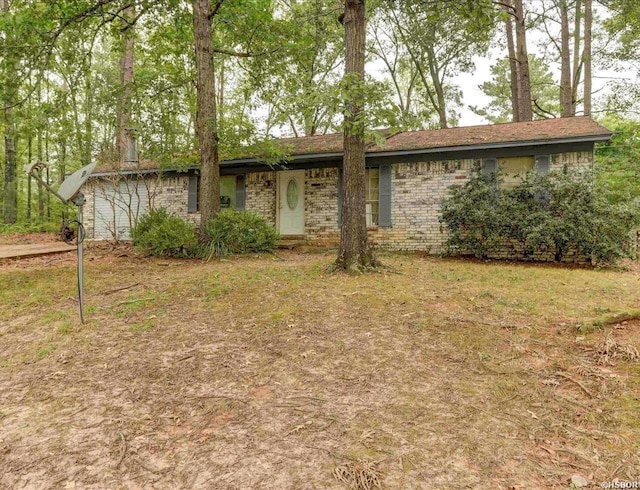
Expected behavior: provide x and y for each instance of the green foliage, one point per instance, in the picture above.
(301, 75)
(162, 234)
(24, 227)
(238, 232)
(472, 217)
(544, 91)
(424, 45)
(558, 215)
(617, 161)
(624, 23)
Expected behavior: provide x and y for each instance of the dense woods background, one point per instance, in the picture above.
(82, 79)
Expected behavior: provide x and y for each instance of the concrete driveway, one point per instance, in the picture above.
(31, 250)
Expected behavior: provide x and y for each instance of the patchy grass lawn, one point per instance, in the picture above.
(272, 373)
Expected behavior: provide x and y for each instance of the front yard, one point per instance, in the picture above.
(269, 372)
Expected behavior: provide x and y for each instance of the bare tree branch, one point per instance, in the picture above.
(214, 10)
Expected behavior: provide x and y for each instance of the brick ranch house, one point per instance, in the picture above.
(407, 177)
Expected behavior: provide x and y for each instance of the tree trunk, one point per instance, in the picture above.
(62, 165)
(29, 160)
(577, 64)
(10, 202)
(46, 158)
(586, 56)
(87, 145)
(41, 189)
(10, 208)
(354, 253)
(123, 140)
(565, 59)
(524, 79)
(220, 107)
(206, 122)
(437, 85)
(513, 67)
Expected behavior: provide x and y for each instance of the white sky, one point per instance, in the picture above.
(536, 39)
(471, 93)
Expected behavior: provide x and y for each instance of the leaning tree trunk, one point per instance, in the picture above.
(513, 65)
(524, 79)
(354, 253)
(588, 17)
(206, 122)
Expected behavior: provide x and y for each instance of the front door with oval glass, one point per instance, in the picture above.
(291, 202)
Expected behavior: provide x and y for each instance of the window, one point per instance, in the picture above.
(372, 192)
(377, 196)
(228, 192)
(231, 192)
(513, 170)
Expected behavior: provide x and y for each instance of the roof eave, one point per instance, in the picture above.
(491, 146)
(320, 157)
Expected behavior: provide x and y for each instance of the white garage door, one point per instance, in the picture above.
(117, 208)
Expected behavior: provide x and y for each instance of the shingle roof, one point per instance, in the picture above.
(542, 130)
(545, 130)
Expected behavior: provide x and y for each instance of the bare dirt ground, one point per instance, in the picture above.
(271, 373)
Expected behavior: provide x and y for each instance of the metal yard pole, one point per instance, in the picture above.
(69, 191)
(79, 201)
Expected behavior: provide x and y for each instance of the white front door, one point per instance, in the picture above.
(291, 202)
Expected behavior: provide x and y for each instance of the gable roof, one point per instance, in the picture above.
(544, 131)
(521, 132)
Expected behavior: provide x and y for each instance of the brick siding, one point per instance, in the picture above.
(417, 191)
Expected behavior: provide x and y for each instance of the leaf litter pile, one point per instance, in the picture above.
(270, 372)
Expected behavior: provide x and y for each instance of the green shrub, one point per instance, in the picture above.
(25, 227)
(238, 232)
(553, 215)
(471, 215)
(162, 234)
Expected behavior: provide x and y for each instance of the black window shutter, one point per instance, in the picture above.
(384, 207)
(240, 193)
(339, 197)
(489, 167)
(192, 200)
(543, 164)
